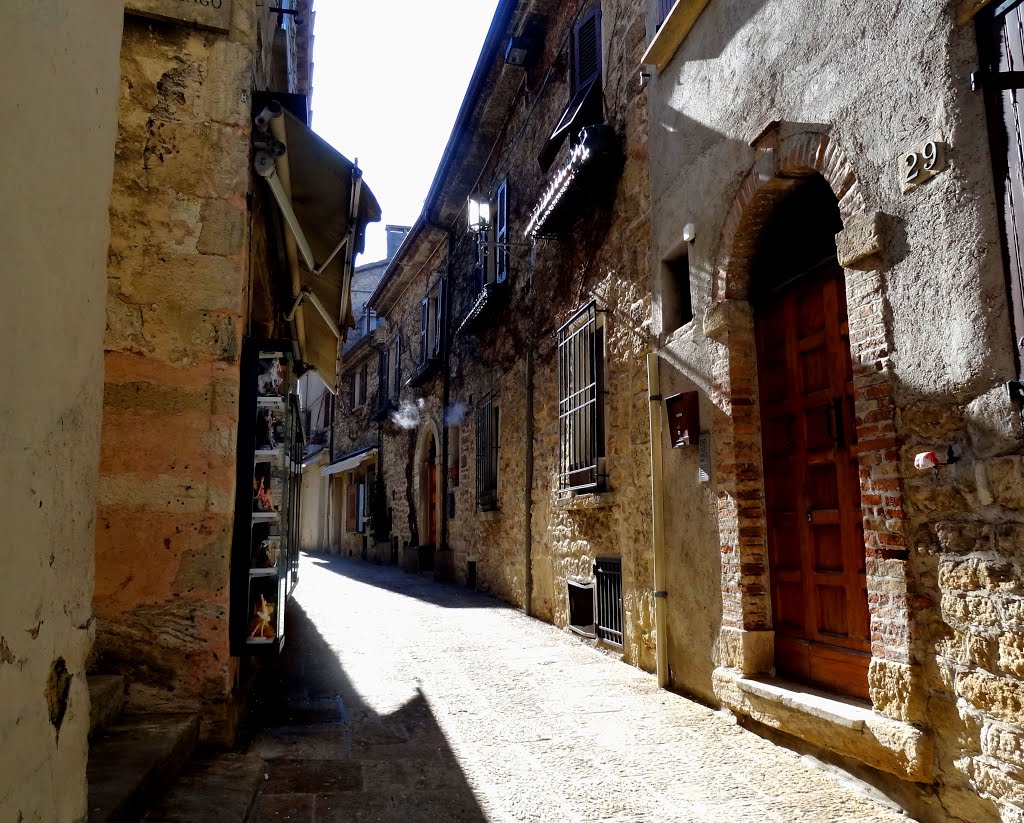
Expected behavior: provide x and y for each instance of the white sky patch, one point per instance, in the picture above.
(388, 80)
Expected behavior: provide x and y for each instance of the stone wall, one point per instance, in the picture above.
(932, 345)
(178, 269)
(60, 89)
(526, 550)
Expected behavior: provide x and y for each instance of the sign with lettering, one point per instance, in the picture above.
(209, 14)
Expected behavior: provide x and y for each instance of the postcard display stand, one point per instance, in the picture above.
(265, 548)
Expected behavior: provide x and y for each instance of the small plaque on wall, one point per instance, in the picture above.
(208, 14)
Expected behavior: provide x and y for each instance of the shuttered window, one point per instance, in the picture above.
(383, 376)
(487, 420)
(664, 7)
(432, 323)
(396, 367)
(364, 374)
(586, 38)
(581, 397)
(501, 233)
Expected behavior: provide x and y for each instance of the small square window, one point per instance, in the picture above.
(676, 302)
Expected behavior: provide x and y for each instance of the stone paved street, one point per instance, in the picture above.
(401, 699)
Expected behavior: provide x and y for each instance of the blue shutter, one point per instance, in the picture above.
(501, 233)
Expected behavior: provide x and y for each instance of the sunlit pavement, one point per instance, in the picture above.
(398, 698)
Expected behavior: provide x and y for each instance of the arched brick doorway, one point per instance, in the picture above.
(806, 401)
(786, 156)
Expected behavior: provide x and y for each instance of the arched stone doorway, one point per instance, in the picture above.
(787, 156)
(812, 501)
(427, 485)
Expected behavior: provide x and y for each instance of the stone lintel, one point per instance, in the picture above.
(836, 724)
(860, 242)
(215, 14)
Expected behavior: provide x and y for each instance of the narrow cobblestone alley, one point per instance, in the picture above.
(401, 699)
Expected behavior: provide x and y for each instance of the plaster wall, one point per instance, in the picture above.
(60, 70)
(879, 84)
(177, 276)
(312, 537)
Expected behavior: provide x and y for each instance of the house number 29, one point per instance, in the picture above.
(922, 164)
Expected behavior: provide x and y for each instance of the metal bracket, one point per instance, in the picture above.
(1015, 390)
(307, 294)
(661, 594)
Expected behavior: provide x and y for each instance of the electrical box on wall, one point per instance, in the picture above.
(683, 412)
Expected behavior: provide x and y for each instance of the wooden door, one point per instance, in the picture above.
(812, 494)
(431, 469)
(1001, 48)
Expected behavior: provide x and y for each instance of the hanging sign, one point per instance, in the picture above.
(209, 14)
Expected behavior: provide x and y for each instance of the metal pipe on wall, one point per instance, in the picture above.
(658, 520)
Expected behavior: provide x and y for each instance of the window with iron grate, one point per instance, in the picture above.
(581, 400)
(487, 434)
(608, 576)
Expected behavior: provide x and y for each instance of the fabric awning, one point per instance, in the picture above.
(326, 207)
(349, 462)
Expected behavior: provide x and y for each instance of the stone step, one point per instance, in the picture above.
(135, 759)
(219, 788)
(106, 699)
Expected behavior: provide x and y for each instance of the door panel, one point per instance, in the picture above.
(812, 492)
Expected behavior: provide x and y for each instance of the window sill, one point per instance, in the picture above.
(488, 514)
(672, 33)
(843, 725)
(586, 501)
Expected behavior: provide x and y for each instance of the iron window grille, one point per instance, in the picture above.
(581, 395)
(487, 424)
(608, 575)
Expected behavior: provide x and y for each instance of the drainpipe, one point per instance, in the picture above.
(528, 491)
(446, 398)
(658, 518)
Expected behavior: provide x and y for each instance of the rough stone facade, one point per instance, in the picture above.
(931, 342)
(536, 539)
(60, 89)
(179, 301)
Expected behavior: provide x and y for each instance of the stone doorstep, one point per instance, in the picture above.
(840, 725)
(106, 699)
(135, 759)
(220, 787)
(800, 698)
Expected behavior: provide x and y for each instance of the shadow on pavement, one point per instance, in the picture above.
(331, 757)
(393, 579)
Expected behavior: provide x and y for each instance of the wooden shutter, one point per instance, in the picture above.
(1001, 46)
(501, 233)
(586, 39)
(424, 326)
(351, 507)
(364, 373)
(352, 391)
(440, 324)
(397, 366)
(664, 7)
(383, 375)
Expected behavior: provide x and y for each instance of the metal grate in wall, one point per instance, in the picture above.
(581, 401)
(608, 575)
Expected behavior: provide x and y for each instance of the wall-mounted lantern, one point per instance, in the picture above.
(683, 412)
(479, 209)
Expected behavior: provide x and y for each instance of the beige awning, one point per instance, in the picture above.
(350, 462)
(326, 207)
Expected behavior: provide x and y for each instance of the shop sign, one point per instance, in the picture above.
(209, 14)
